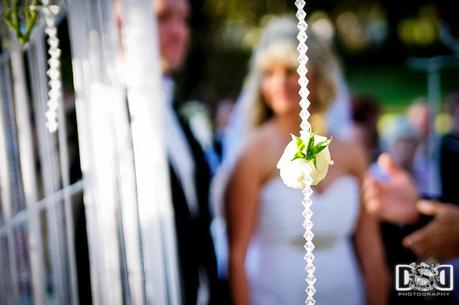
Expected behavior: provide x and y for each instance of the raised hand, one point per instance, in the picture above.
(394, 199)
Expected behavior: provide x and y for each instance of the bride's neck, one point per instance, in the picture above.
(289, 123)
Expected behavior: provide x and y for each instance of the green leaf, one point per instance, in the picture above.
(299, 142)
(310, 145)
(317, 149)
(314, 161)
(310, 150)
(298, 155)
(300, 147)
(321, 146)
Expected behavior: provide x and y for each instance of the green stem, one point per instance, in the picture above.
(9, 23)
(25, 37)
(15, 17)
(31, 18)
(12, 18)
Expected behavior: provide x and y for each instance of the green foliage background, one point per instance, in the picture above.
(215, 71)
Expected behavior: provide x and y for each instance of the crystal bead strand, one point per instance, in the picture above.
(305, 129)
(54, 73)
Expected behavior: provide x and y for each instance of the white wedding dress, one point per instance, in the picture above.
(275, 263)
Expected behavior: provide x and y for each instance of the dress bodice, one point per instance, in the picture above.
(275, 262)
(335, 211)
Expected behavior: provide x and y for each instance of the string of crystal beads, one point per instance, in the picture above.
(54, 64)
(306, 128)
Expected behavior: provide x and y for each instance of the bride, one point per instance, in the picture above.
(264, 217)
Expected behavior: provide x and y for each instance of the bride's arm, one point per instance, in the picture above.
(372, 261)
(369, 246)
(241, 212)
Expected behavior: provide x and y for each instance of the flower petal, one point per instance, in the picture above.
(288, 155)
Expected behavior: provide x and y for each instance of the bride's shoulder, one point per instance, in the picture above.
(351, 155)
(260, 145)
(263, 137)
(251, 160)
(345, 145)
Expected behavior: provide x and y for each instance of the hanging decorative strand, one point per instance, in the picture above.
(306, 129)
(49, 12)
(306, 158)
(22, 29)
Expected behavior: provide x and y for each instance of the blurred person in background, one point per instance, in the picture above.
(416, 229)
(364, 130)
(419, 116)
(402, 142)
(189, 172)
(449, 153)
(222, 118)
(425, 166)
(264, 216)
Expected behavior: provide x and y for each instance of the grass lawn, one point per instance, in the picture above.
(396, 85)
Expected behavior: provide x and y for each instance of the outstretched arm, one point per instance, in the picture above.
(369, 246)
(372, 261)
(241, 212)
(394, 199)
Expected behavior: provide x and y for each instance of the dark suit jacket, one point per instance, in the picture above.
(195, 246)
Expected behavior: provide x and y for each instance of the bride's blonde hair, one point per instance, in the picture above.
(278, 45)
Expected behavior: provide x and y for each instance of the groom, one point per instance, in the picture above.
(189, 171)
